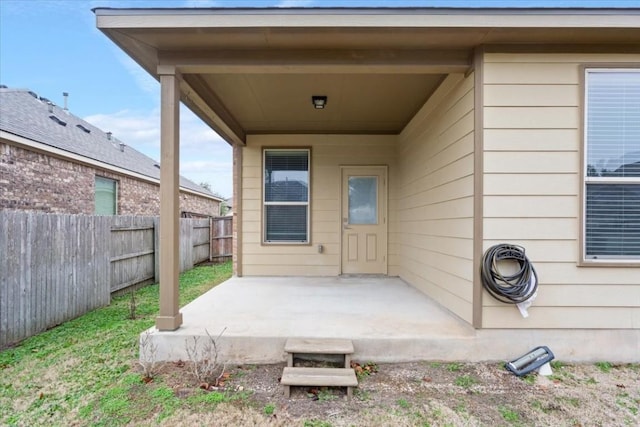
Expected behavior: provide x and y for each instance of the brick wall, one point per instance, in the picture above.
(33, 181)
(200, 205)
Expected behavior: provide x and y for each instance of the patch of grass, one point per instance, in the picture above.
(573, 401)
(465, 381)
(460, 408)
(240, 396)
(316, 423)
(591, 381)
(536, 404)
(362, 395)
(131, 379)
(79, 372)
(116, 405)
(546, 408)
(207, 398)
(560, 374)
(269, 409)
(556, 378)
(567, 375)
(509, 414)
(244, 370)
(529, 379)
(625, 401)
(454, 367)
(556, 365)
(437, 413)
(164, 398)
(326, 395)
(419, 418)
(605, 367)
(403, 403)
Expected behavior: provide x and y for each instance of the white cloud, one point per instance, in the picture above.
(143, 79)
(204, 156)
(216, 173)
(200, 3)
(294, 3)
(140, 130)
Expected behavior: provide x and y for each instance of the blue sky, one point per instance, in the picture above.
(53, 46)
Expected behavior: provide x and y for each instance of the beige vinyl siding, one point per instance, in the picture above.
(532, 181)
(328, 153)
(433, 225)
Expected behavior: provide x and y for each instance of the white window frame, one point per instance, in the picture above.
(586, 180)
(265, 203)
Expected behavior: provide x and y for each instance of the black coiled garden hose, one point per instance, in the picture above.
(509, 288)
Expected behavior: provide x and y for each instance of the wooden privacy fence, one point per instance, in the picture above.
(135, 248)
(54, 268)
(133, 251)
(221, 238)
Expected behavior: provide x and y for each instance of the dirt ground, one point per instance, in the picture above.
(429, 394)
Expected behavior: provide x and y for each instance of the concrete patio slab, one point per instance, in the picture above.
(387, 320)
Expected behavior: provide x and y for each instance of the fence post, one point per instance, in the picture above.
(156, 249)
(210, 239)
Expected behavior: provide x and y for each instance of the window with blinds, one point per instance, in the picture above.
(286, 196)
(106, 196)
(612, 164)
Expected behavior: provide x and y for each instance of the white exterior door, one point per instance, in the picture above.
(364, 220)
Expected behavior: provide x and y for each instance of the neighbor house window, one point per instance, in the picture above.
(286, 196)
(106, 196)
(612, 165)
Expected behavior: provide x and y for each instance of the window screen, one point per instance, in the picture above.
(612, 181)
(106, 196)
(286, 196)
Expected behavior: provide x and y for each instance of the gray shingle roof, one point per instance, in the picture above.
(24, 114)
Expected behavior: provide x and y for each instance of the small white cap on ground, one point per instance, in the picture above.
(545, 370)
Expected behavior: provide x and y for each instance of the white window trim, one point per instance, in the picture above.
(265, 203)
(622, 261)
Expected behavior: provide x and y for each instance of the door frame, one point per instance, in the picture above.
(384, 211)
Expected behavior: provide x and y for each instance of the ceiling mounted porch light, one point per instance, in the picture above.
(319, 102)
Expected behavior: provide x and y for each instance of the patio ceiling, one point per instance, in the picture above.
(252, 71)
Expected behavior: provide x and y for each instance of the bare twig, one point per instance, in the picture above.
(148, 355)
(204, 359)
(132, 305)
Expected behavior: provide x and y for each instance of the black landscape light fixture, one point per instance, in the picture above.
(319, 102)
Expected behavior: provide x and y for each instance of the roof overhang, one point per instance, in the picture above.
(252, 71)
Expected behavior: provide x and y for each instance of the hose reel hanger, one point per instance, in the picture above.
(509, 276)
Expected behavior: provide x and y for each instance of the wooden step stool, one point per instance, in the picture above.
(319, 377)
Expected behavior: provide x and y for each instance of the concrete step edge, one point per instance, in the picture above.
(319, 346)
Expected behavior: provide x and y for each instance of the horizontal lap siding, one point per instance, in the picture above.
(532, 186)
(328, 153)
(433, 224)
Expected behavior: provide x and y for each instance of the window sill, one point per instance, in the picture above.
(285, 243)
(609, 263)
